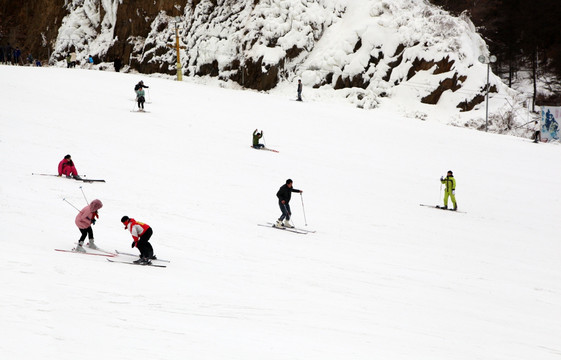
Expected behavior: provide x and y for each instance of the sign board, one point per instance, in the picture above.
(551, 115)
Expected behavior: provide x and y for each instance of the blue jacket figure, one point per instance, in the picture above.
(17, 55)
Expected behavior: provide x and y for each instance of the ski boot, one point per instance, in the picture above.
(143, 261)
(287, 224)
(278, 224)
(80, 248)
(91, 244)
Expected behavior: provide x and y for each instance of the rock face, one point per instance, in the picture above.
(367, 48)
(31, 25)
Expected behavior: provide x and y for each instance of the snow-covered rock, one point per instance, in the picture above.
(409, 51)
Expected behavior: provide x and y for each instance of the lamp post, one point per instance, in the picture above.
(177, 47)
(484, 60)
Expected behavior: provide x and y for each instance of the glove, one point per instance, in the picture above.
(132, 245)
(453, 192)
(441, 178)
(93, 221)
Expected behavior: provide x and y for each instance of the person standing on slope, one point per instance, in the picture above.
(256, 136)
(73, 59)
(450, 190)
(537, 131)
(140, 99)
(141, 233)
(84, 220)
(299, 90)
(66, 167)
(284, 194)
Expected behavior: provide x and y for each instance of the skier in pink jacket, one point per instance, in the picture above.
(84, 221)
(66, 167)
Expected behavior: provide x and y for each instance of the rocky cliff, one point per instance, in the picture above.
(368, 49)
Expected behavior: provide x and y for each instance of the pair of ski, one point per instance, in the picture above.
(83, 179)
(442, 208)
(264, 148)
(130, 262)
(293, 230)
(111, 257)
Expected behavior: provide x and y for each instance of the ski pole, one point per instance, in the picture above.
(87, 202)
(71, 204)
(264, 142)
(149, 96)
(303, 210)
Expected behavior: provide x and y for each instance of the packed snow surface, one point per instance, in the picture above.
(382, 278)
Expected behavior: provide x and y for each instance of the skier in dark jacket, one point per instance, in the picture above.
(140, 85)
(299, 90)
(256, 136)
(284, 194)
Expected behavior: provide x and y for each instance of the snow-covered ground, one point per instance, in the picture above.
(383, 278)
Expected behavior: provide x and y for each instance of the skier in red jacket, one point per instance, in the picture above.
(66, 167)
(141, 233)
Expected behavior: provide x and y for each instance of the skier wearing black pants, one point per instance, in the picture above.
(144, 246)
(284, 194)
(141, 234)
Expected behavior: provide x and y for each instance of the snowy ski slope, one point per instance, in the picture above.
(383, 278)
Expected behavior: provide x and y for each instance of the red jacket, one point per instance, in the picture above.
(67, 168)
(137, 229)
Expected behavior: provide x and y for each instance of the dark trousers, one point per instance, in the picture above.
(86, 232)
(144, 246)
(258, 146)
(285, 208)
(141, 104)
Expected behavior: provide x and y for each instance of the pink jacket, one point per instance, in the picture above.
(85, 217)
(67, 168)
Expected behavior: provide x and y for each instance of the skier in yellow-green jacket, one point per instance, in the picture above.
(450, 190)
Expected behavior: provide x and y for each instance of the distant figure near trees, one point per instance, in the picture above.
(537, 131)
(117, 64)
